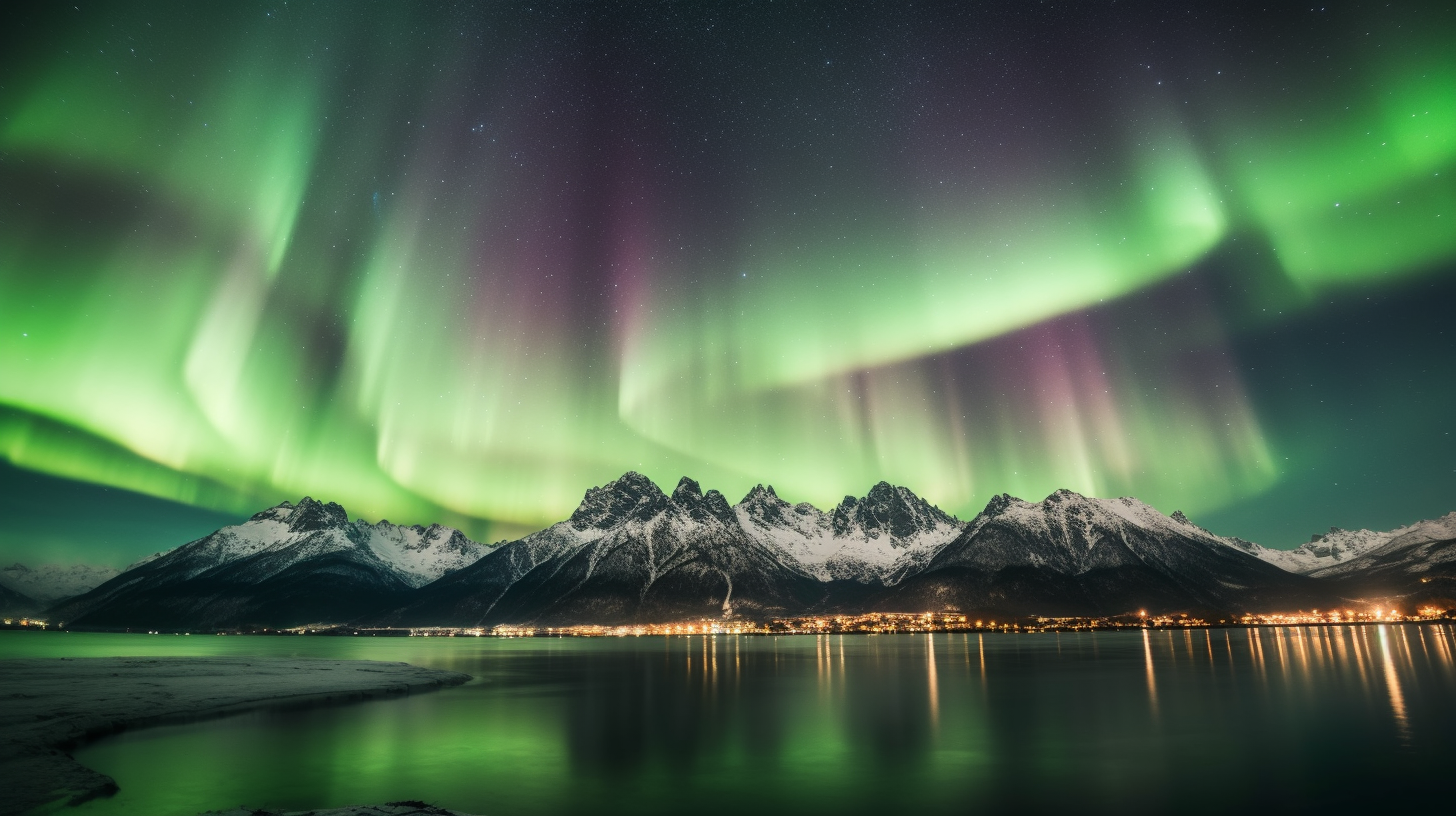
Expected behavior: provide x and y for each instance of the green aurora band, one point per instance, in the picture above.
(428, 277)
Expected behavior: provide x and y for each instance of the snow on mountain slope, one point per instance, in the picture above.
(1417, 549)
(1320, 552)
(416, 555)
(1072, 554)
(285, 566)
(629, 553)
(888, 534)
(1071, 533)
(48, 583)
(423, 554)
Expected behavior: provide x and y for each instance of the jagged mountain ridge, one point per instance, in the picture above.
(880, 538)
(285, 565)
(1417, 548)
(629, 553)
(286, 534)
(1415, 564)
(633, 553)
(1074, 555)
(1320, 552)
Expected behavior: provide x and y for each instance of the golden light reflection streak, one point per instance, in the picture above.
(1228, 645)
(1301, 651)
(1405, 650)
(1152, 682)
(1355, 645)
(981, 647)
(820, 659)
(1279, 649)
(1392, 683)
(1443, 648)
(934, 684)
(1256, 651)
(1447, 636)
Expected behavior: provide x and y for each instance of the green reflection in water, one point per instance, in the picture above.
(1123, 722)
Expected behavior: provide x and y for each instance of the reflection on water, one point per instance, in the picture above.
(1152, 679)
(1326, 719)
(1392, 683)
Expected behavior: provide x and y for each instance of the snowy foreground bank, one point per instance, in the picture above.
(51, 704)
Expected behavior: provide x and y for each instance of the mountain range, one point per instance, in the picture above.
(632, 553)
(25, 590)
(284, 565)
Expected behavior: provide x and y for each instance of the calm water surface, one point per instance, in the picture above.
(1336, 719)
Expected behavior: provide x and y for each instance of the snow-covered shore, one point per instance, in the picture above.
(50, 704)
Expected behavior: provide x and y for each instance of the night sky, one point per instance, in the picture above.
(458, 264)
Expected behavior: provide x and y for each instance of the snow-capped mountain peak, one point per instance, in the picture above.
(887, 534)
(701, 506)
(629, 552)
(421, 554)
(289, 562)
(279, 512)
(764, 507)
(286, 534)
(1322, 551)
(1066, 532)
(314, 515)
(1415, 549)
(631, 496)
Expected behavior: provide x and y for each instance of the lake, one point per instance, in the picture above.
(1329, 719)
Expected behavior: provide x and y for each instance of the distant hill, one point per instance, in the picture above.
(14, 604)
(49, 583)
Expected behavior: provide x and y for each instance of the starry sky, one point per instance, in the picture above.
(458, 263)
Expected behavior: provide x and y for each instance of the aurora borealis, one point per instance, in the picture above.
(458, 264)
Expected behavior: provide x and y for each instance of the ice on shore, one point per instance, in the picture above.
(51, 704)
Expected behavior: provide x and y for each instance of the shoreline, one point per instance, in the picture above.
(1013, 626)
(55, 704)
